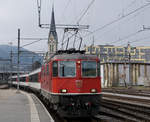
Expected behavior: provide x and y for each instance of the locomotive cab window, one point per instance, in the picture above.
(55, 69)
(67, 68)
(89, 68)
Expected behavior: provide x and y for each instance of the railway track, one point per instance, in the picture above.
(113, 109)
(126, 108)
(130, 91)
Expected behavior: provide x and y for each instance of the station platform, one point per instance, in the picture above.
(21, 107)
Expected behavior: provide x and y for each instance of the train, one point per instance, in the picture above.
(69, 82)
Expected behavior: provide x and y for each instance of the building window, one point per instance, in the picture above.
(137, 50)
(142, 50)
(50, 48)
(143, 56)
(93, 49)
(88, 49)
(147, 51)
(113, 50)
(103, 50)
(97, 50)
(109, 49)
(120, 49)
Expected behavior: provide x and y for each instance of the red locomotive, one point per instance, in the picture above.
(70, 81)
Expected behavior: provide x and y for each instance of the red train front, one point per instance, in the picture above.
(71, 83)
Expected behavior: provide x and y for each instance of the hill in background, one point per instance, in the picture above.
(27, 58)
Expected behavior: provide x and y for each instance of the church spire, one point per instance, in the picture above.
(52, 39)
(53, 26)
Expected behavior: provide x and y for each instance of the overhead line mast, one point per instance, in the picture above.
(59, 26)
(68, 28)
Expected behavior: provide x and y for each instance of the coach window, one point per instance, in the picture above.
(47, 69)
(43, 71)
(55, 69)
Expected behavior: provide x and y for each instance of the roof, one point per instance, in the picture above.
(74, 56)
(53, 26)
(35, 71)
(20, 76)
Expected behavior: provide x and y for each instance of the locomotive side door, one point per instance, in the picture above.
(50, 76)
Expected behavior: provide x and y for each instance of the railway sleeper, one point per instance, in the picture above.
(118, 115)
(141, 109)
(127, 111)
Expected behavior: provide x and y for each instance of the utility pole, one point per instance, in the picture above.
(93, 41)
(18, 60)
(11, 65)
(129, 62)
(130, 69)
(124, 74)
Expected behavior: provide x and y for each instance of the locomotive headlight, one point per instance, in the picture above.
(93, 90)
(63, 90)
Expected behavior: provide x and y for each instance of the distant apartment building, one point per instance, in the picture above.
(111, 53)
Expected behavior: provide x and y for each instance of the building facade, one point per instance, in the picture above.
(111, 53)
(114, 74)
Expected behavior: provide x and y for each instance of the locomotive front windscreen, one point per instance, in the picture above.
(67, 68)
(89, 68)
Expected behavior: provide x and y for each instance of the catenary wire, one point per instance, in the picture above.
(127, 20)
(66, 6)
(118, 19)
(137, 40)
(126, 37)
(85, 11)
(31, 43)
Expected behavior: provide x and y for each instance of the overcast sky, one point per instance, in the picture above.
(22, 14)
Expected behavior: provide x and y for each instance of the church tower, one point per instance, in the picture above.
(52, 39)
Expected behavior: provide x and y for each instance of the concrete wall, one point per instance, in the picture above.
(117, 74)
